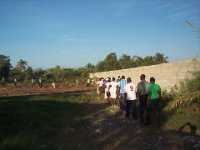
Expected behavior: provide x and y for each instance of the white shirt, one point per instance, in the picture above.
(113, 86)
(130, 90)
(100, 83)
(107, 86)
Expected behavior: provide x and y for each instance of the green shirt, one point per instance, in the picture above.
(154, 89)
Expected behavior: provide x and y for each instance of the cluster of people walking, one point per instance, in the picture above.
(124, 94)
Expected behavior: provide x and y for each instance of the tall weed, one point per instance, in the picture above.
(188, 93)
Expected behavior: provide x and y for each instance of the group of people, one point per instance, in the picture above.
(40, 84)
(123, 93)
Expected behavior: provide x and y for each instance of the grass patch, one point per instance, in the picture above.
(184, 119)
(182, 106)
(39, 122)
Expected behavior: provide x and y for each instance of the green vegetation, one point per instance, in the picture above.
(39, 122)
(187, 94)
(4, 67)
(126, 61)
(183, 105)
(24, 73)
(63, 121)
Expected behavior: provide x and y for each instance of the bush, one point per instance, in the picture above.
(188, 93)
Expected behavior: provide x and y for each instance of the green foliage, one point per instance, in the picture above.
(35, 122)
(16, 143)
(90, 68)
(160, 58)
(4, 66)
(125, 61)
(66, 74)
(24, 73)
(21, 65)
(181, 106)
(29, 74)
(100, 66)
(111, 62)
(37, 73)
(188, 93)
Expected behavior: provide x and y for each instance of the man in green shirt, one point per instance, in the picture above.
(154, 95)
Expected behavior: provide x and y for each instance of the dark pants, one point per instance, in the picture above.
(143, 106)
(153, 107)
(122, 102)
(131, 108)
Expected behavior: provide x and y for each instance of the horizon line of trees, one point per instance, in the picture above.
(111, 62)
(24, 73)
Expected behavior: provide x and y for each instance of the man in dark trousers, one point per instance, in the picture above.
(154, 96)
(142, 93)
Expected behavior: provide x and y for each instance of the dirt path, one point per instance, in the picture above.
(108, 130)
(113, 132)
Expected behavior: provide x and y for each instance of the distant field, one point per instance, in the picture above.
(25, 90)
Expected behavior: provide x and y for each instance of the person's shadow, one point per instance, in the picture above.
(193, 128)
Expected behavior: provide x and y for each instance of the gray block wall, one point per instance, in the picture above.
(167, 75)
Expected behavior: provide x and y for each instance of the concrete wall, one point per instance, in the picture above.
(166, 75)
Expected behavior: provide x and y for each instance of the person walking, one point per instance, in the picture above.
(107, 89)
(113, 92)
(122, 100)
(154, 96)
(100, 86)
(142, 93)
(130, 95)
(40, 82)
(15, 82)
(32, 82)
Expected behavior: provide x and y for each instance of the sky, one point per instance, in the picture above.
(73, 33)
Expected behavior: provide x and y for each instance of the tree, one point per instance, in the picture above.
(21, 65)
(82, 73)
(149, 60)
(111, 62)
(125, 61)
(100, 66)
(90, 67)
(4, 66)
(160, 58)
(137, 61)
(70, 73)
(29, 73)
(38, 72)
(15, 73)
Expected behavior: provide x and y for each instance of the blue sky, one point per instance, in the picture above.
(72, 33)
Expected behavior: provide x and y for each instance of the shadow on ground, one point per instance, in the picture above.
(73, 122)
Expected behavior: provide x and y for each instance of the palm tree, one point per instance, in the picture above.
(21, 65)
(125, 62)
(160, 58)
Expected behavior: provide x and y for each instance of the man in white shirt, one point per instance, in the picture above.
(113, 92)
(107, 88)
(130, 95)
